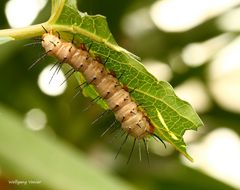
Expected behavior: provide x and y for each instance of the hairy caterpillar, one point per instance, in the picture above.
(126, 111)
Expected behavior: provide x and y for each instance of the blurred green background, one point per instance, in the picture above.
(194, 45)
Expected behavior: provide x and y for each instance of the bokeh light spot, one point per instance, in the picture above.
(196, 54)
(57, 85)
(159, 70)
(21, 13)
(224, 77)
(179, 16)
(137, 23)
(35, 119)
(218, 155)
(230, 21)
(194, 92)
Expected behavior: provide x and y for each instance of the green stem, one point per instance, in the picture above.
(38, 30)
(24, 33)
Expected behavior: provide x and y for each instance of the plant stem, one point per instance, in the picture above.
(37, 30)
(24, 33)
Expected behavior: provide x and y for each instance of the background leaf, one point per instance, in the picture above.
(46, 159)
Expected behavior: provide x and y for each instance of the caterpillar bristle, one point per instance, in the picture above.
(109, 128)
(35, 41)
(105, 62)
(44, 29)
(73, 39)
(117, 135)
(54, 65)
(132, 149)
(146, 149)
(159, 139)
(68, 74)
(59, 35)
(79, 87)
(39, 59)
(120, 148)
(93, 101)
(58, 68)
(139, 150)
(99, 117)
(32, 43)
(90, 46)
(69, 71)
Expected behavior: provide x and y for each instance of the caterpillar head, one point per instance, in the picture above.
(49, 42)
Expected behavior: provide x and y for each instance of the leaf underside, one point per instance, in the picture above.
(170, 115)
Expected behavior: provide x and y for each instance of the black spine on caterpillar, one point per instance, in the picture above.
(132, 120)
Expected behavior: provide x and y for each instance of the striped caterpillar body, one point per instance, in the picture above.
(126, 111)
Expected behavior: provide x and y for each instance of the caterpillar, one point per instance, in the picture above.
(133, 120)
(126, 111)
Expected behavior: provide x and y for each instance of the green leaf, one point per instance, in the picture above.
(39, 157)
(170, 115)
